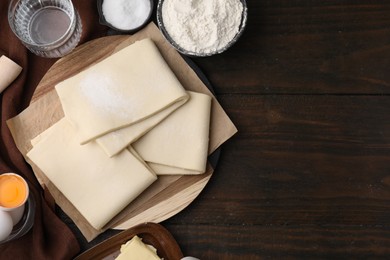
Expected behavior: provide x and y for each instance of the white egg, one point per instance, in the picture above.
(6, 225)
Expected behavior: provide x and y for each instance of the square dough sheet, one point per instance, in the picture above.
(122, 90)
(179, 144)
(98, 186)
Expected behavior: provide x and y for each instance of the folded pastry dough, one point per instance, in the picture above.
(98, 186)
(116, 141)
(179, 144)
(122, 90)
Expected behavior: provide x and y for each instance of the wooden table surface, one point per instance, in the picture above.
(308, 174)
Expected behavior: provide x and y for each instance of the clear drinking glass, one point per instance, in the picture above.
(48, 28)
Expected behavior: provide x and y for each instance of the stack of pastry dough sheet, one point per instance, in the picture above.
(116, 101)
(98, 186)
(124, 122)
(179, 144)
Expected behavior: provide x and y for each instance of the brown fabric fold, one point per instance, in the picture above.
(49, 238)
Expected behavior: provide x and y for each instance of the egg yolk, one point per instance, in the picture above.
(12, 191)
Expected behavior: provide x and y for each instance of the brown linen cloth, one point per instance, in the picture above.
(49, 238)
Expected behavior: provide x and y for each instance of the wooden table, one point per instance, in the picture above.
(308, 174)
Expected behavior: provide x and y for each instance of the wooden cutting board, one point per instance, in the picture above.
(179, 192)
(167, 196)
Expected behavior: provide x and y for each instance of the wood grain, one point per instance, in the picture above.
(282, 242)
(311, 172)
(309, 156)
(307, 47)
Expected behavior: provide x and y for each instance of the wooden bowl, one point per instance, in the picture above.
(151, 233)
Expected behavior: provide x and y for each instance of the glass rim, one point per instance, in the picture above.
(52, 45)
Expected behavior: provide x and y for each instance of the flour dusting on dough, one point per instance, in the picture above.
(103, 92)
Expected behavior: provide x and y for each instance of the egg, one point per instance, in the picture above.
(6, 225)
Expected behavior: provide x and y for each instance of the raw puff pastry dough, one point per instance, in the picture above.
(114, 142)
(98, 186)
(126, 88)
(179, 144)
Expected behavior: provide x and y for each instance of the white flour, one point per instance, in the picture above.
(202, 26)
(103, 92)
(126, 14)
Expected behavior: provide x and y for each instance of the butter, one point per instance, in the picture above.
(136, 249)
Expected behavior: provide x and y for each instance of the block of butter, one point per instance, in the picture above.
(135, 249)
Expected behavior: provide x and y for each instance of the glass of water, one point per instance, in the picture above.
(48, 28)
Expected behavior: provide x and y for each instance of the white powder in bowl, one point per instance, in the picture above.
(202, 26)
(126, 14)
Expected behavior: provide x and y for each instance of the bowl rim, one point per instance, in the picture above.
(160, 23)
(103, 21)
(153, 234)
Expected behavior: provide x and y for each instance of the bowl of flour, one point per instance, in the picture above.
(126, 16)
(202, 27)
